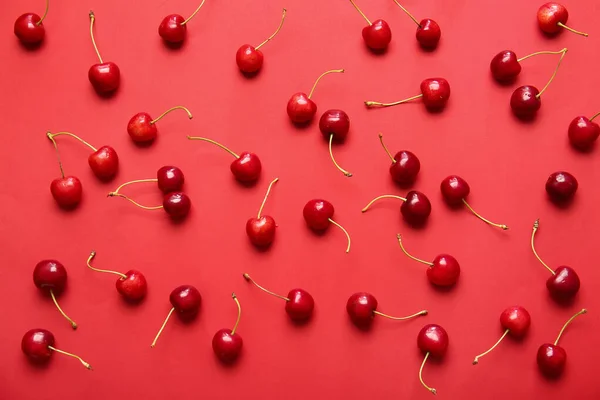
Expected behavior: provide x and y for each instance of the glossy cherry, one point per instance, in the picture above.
(38, 346)
(362, 309)
(505, 66)
(434, 91)
(334, 126)
(552, 18)
(177, 204)
(300, 108)
(443, 271)
(173, 28)
(415, 208)
(105, 77)
(561, 186)
(142, 127)
(50, 276)
(29, 27)
(299, 304)
(433, 341)
(250, 59)
(428, 31)
(66, 190)
(186, 300)
(405, 165)
(318, 215)
(583, 132)
(261, 230)
(131, 285)
(377, 34)
(227, 344)
(170, 179)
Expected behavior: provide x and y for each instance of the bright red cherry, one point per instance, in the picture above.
(551, 358)
(142, 128)
(505, 66)
(38, 346)
(334, 126)
(131, 285)
(29, 27)
(377, 34)
(443, 271)
(362, 309)
(249, 59)
(561, 186)
(66, 190)
(434, 91)
(226, 344)
(186, 300)
(170, 179)
(415, 208)
(428, 31)
(405, 165)
(105, 77)
(299, 304)
(515, 321)
(300, 108)
(173, 28)
(583, 132)
(552, 17)
(318, 215)
(261, 230)
(176, 204)
(433, 341)
(50, 276)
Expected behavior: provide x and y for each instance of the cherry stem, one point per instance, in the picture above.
(487, 221)
(45, 13)
(215, 143)
(572, 30)
(92, 19)
(275, 33)
(237, 322)
(432, 390)
(343, 230)
(193, 14)
(168, 111)
(91, 257)
(386, 149)
(583, 311)
(399, 236)
(348, 174)
(537, 53)
(536, 226)
(360, 12)
(322, 75)
(553, 75)
(162, 327)
(594, 116)
(265, 198)
(53, 135)
(62, 172)
(476, 360)
(407, 13)
(422, 312)
(371, 104)
(249, 279)
(385, 196)
(73, 324)
(117, 194)
(88, 366)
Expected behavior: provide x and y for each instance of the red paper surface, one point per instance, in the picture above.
(505, 161)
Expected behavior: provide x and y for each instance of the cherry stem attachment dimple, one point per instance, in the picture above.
(162, 327)
(265, 198)
(407, 13)
(399, 236)
(553, 74)
(432, 390)
(88, 366)
(53, 135)
(45, 13)
(371, 104)
(343, 230)
(322, 75)
(215, 143)
(386, 149)
(92, 19)
(537, 53)
(117, 194)
(237, 322)
(249, 279)
(193, 14)
(583, 311)
(487, 221)
(536, 226)
(422, 312)
(476, 360)
(594, 116)
(91, 257)
(73, 324)
(361, 13)
(572, 30)
(385, 196)
(348, 174)
(168, 111)
(275, 33)
(62, 172)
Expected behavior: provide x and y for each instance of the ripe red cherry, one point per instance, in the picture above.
(170, 179)
(249, 59)
(142, 128)
(226, 344)
(434, 91)
(67, 191)
(428, 33)
(261, 230)
(525, 101)
(377, 34)
(131, 285)
(405, 165)
(38, 346)
(415, 208)
(334, 126)
(433, 341)
(172, 28)
(552, 18)
(583, 132)
(443, 271)
(318, 215)
(30, 29)
(50, 276)
(177, 204)
(362, 309)
(300, 108)
(561, 186)
(186, 301)
(505, 66)
(105, 77)
(299, 304)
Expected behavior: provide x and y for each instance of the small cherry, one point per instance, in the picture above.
(561, 186)
(105, 77)
(405, 165)
(104, 161)
(186, 300)
(434, 91)
(300, 108)
(564, 283)
(505, 66)
(415, 208)
(50, 276)
(515, 321)
(433, 341)
(173, 28)
(552, 17)
(318, 215)
(455, 190)
(551, 358)
(38, 346)
(443, 271)
(299, 304)
(249, 59)
(583, 132)
(170, 179)
(261, 230)
(334, 125)
(66, 190)
(246, 167)
(377, 34)
(142, 128)
(131, 285)
(428, 31)
(226, 344)
(29, 28)
(362, 309)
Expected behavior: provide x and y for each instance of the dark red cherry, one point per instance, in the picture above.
(170, 179)
(378, 35)
(67, 191)
(226, 345)
(247, 167)
(416, 209)
(186, 300)
(444, 271)
(50, 275)
(104, 162)
(525, 102)
(564, 284)
(300, 108)
(300, 305)
(334, 122)
(561, 186)
(172, 30)
(428, 33)
(177, 204)
(35, 345)
(317, 213)
(583, 132)
(29, 29)
(248, 59)
(436, 92)
(406, 168)
(261, 231)
(516, 319)
(454, 189)
(360, 308)
(505, 66)
(433, 339)
(134, 286)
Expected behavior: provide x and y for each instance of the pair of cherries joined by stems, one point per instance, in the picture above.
(142, 127)
(173, 28)
(29, 27)
(434, 91)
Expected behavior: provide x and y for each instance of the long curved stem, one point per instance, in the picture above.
(572, 30)
(594, 116)
(487, 221)
(476, 360)
(45, 13)
(360, 12)
(117, 194)
(371, 104)
(265, 198)
(168, 111)
(422, 312)
(432, 390)
(53, 135)
(343, 230)
(237, 322)
(62, 172)
(399, 236)
(275, 33)
(73, 324)
(215, 143)
(386, 149)
(162, 327)
(88, 366)
(92, 19)
(553, 74)
(536, 226)
(407, 13)
(194, 13)
(537, 53)
(249, 279)
(583, 311)
(385, 196)
(348, 174)
(91, 257)
(322, 75)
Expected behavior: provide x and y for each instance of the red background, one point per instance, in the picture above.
(505, 161)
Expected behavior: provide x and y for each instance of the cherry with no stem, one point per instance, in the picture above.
(227, 343)
(334, 126)
(318, 214)
(250, 59)
(186, 301)
(50, 276)
(428, 31)
(435, 93)
(583, 132)
(377, 35)
(131, 285)
(173, 28)
(66, 190)
(39, 345)
(552, 18)
(405, 165)
(261, 230)
(433, 341)
(301, 109)
(105, 77)
(362, 310)
(142, 127)
(561, 186)
(29, 27)
(415, 208)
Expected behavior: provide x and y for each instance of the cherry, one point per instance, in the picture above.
(299, 304)
(514, 320)
(377, 34)
(29, 28)
(443, 271)
(142, 128)
(249, 59)
(105, 77)
(455, 189)
(434, 91)
(300, 108)
(334, 125)
(415, 208)
(173, 28)
(433, 341)
(428, 31)
(170, 179)
(552, 17)
(261, 230)
(564, 283)
(226, 344)
(561, 186)
(38, 346)
(551, 358)
(583, 132)
(50, 276)
(362, 309)
(186, 300)
(318, 215)
(405, 165)
(131, 285)
(66, 190)
(505, 66)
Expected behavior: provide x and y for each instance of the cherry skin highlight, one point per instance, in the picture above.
(378, 35)
(360, 308)
(35, 344)
(177, 204)
(134, 287)
(505, 66)
(428, 33)
(416, 209)
(583, 133)
(171, 29)
(561, 186)
(317, 213)
(551, 360)
(66, 191)
(170, 179)
(29, 29)
(525, 102)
